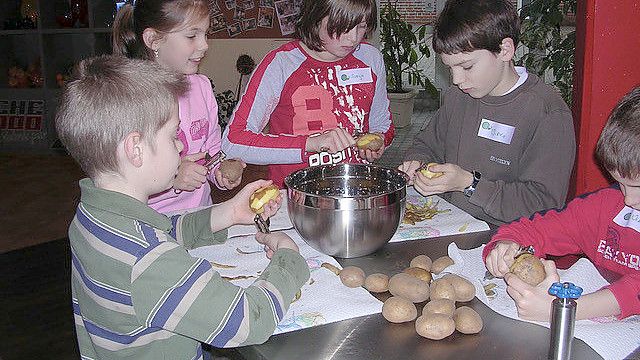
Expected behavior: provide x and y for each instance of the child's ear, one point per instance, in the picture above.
(151, 38)
(507, 49)
(134, 148)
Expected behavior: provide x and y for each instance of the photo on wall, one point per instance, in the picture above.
(249, 24)
(234, 29)
(265, 17)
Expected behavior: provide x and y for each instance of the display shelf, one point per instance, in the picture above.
(53, 48)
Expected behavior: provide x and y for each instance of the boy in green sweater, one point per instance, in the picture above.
(137, 293)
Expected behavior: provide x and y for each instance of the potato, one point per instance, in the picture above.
(467, 320)
(465, 291)
(435, 326)
(428, 173)
(352, 276)
(231, 169)
(529, 269)
(377, 283)
(420, 273)
(440, 264)
(371, 142)
(409, 287)
(399, 310)
(440, 306)
(442, 289)
(261, 197)
(421, 261)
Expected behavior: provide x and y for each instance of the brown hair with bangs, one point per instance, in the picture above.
(164, 16)
(109, 97)
(343, 15)
(618, 147)
(468, 25)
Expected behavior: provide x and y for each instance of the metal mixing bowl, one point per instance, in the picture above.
(346, 210)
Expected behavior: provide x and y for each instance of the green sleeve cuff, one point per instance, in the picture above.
(196, 230)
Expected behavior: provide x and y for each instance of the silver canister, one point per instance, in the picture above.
(563, 317)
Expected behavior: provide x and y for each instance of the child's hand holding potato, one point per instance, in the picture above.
(533, 302)
(229, 174)
(237, 210)
(444, 178)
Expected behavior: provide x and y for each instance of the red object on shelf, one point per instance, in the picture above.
(607, 53)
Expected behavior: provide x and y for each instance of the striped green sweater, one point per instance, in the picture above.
(138, 294)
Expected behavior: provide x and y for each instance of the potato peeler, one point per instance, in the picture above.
(261, 224)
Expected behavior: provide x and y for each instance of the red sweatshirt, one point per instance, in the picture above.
(598, 225)
(297, 96)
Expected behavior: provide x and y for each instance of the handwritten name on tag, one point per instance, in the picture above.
(496, 131)
(628, 217)
(354, 76)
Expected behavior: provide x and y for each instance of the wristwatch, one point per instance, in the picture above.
(469, 190)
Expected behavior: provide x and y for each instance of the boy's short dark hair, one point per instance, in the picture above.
(468, 25)
(618, 147)
(343, 15)
(109, 97)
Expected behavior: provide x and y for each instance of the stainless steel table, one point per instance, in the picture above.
(372, 337)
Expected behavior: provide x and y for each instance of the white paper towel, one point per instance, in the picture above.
(324, 299)
(609, 337)
(454, 221)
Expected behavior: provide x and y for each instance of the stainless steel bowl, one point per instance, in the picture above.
(346, 210)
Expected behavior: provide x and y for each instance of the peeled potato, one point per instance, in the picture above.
(261, 197)
(409, 287)
(420, 273)
(371, 142)
(467, 320)
(529, 269)
(352, 276)
(377, 283)
(430, 174)
(440, 306)
(399, 310)
(421, 261)
(440, 264)
(435, 326)
(231, 169)
(465, 291)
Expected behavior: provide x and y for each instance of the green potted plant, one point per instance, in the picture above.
(403, 47)
(549, 48)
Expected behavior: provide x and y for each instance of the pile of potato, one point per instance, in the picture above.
(440, 317)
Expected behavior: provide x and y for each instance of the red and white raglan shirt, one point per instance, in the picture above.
(297, 96)
(598, 225)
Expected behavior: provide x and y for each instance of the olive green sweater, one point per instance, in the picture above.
(528, 174)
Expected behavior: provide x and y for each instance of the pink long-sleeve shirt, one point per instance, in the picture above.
(199, 131)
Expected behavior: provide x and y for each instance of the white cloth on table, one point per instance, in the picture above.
(609, 337)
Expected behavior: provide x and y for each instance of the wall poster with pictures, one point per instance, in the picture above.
(253, 18)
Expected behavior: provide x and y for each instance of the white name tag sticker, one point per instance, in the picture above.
(354, 76)
(628, 217)
(496, 131)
